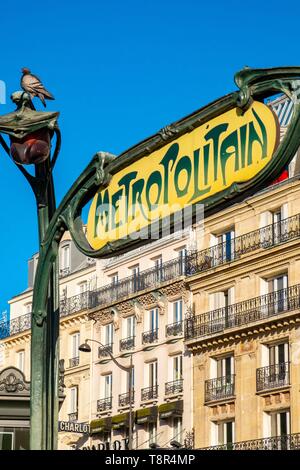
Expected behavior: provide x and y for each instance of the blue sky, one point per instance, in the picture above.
(121, 70)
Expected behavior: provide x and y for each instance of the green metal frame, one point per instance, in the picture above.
(253, 84)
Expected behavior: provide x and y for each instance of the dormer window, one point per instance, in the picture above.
(65, 261)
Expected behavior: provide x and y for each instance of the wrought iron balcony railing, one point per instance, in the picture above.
(124, 398)
(73, 416)
(74, 361)
(274, 376)
(144, 280)
(74, 304)
(265, 237)
(15, 326)
(174, 329)
(149, 393)
(285, 442)
(127, 343)
(103, 351)
(104, 404)
(174, 387)
(243, 313)
(194, 262)
(150, 336)
(219, 388)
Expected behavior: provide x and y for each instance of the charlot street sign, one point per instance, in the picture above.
(72, 426)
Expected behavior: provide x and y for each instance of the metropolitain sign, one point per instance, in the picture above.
(200, 166)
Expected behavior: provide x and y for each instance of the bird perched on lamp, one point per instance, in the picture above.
(34, 87)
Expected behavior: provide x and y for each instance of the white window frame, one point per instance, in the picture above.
(75, 343)
(73, 403)
(21, 360)
(107, 385)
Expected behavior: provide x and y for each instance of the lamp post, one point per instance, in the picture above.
(85, 347)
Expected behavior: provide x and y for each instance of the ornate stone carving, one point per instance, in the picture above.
(12, 380)
(139, 310)
(174, 289)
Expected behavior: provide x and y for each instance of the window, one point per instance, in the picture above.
(278, 287)
(73, 404)
(177, 367)
(177, 311)
(224, 247)
(278, 354)
(182, 252)
(75, 343)
(280, 423)
(177, 429)
(276, 224)
(221, 313)
(132, 380)
(21, 360)
(152, 430)
(226, 432)
(65, 257)
(130, 325)
(277, 425)
(153, 319)
(135, 273)
(158, 268)
(108, 386)
(108, 334)
(278, 373)
(114, 279)
(82, 287)
(28, 308)
(152, 368)
(225, 366)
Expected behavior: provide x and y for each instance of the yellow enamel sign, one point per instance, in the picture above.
(231, 148)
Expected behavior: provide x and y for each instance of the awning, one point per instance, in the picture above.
(100, 425)
(146, 415)
(172, 409)
(121, 421)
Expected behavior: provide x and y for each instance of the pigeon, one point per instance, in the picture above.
(32, 85)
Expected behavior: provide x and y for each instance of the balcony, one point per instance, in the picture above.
(146, 279)
(73, 416)
(193, 263)
(127, 343)
(74, 361)
(150, 336)
(249, 311)
(220, 388)
(104, 404)
(275, 376)
(124, 399)
(263, 238)
(174, 329)
(285, 442)
(171, 388)
(103, 351)
(74, 304)
(149, 393)
(15, 326)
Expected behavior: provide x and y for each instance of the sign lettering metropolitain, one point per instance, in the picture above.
(196, 167)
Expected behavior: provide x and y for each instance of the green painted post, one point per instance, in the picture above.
(44, 335)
